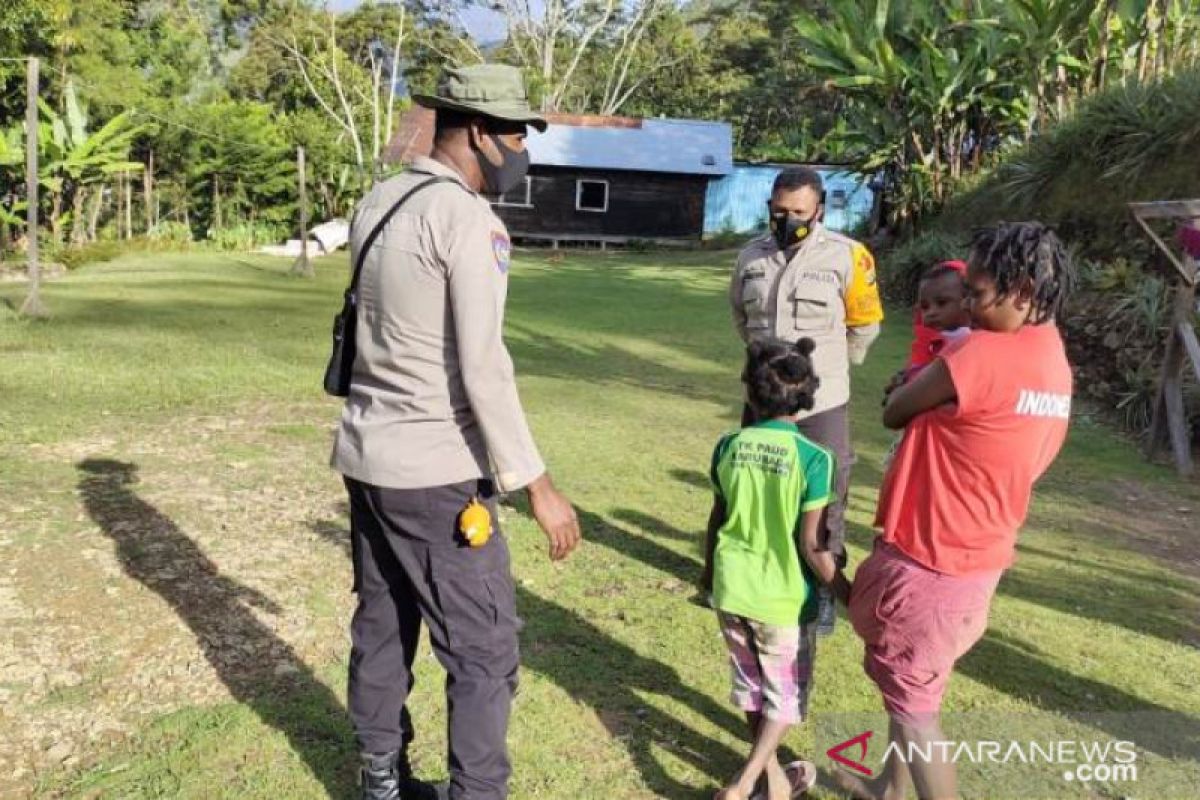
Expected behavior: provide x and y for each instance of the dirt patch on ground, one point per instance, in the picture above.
(186, 564)
(1163, 525)
(18, 271)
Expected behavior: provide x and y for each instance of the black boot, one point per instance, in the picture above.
(380, 777)
(410, 787)
(413, 789)
(386, 776)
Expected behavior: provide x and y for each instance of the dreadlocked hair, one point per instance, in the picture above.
(779, 377)
(1026, 257)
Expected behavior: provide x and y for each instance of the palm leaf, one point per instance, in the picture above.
(76, 117)
(882, 8)
(12, 148)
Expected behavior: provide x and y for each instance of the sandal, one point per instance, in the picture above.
(801, 775)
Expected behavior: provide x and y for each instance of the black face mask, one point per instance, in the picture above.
(790, 231)
(512, 170)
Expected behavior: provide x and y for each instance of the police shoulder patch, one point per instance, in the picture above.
(864, 263)
(502, 250)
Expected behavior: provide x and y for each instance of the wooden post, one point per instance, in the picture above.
(94, 214)
(1169, 420)
(119, 204)
(148, 192)
(32, 307)
(115, 197)
(128, 206)
(303, 266)
(216, 201)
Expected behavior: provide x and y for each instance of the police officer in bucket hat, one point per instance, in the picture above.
(432, 429)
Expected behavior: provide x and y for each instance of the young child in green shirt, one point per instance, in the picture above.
(764, 560)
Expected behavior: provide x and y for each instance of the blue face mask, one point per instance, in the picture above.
(499, 179)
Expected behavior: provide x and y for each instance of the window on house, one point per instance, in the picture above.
(520, 196)
(591, 196)
(837, 198)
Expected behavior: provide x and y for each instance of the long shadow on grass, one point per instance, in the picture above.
(597, 530)
(600, 362)
(608, 675)
(1016, 669)
(656, 527)
(1150, 573)
(1145, 603)
(691, 477)
(247, 655)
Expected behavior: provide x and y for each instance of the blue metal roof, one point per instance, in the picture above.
(689, 147)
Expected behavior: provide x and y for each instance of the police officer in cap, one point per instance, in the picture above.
(804, 280)
(431, 431)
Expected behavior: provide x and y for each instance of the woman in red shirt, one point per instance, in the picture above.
(983, 422)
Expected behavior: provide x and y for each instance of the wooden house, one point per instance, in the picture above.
(605, 179)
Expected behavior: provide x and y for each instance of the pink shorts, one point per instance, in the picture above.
(916, 623)
(771, 666)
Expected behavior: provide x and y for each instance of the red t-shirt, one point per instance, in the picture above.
(922, 352)
(924, 346)
(930, 342)
(958, 488)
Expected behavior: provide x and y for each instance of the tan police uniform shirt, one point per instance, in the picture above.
(826, 292)
(433, 399)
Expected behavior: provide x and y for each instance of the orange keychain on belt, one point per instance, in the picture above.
(475, 523)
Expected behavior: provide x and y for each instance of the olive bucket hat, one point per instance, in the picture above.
(491, 90)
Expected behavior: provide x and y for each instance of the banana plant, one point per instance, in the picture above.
(12, 156)
(922, 85)
(1044, 43)
(12, 147)
(76, 159)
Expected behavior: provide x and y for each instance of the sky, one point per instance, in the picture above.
(484, 25)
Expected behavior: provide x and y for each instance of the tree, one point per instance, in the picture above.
(24, 31)
(227, 161)
(75, 160)
(12, 159)
(92, 39)
(357, 89)
(177, 52)
(742, 63)
(1044, 37)
(922, 93)
(662, 73)
(335, 184)
(554, 44)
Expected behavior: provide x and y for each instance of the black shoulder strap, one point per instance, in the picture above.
(384, 220)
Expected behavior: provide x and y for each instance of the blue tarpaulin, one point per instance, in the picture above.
(737, 203)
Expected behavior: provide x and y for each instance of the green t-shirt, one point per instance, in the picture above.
(768, 475)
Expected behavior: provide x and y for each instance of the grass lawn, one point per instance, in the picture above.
(174, 583)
